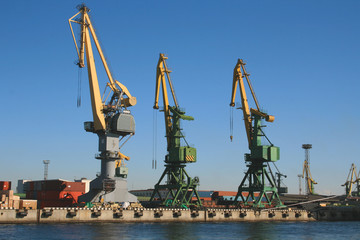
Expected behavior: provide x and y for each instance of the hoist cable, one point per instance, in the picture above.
(154, 139)
(79, 88)
(231, 122)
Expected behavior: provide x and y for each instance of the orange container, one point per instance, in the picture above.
(5, 185)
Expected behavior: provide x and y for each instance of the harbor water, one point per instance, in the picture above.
(229, 230)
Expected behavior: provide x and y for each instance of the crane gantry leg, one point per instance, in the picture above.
(180, 188)
(257, 188)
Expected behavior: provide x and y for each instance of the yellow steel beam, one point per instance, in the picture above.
(161, 71)
(96, 103)
(238, 79)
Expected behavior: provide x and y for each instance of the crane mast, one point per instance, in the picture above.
(179, 187)
(257, 183)
(111, 118)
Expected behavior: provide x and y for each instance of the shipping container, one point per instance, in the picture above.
(203, 193)
(58, 195)
(31, 186)
(5, 185)
(27, 204)
(31, 194)
(74, 186)
(37, 186)
(218, 194)
(57, 185)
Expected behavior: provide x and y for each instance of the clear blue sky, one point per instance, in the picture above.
(303, 57)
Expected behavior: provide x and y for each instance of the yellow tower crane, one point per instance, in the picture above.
(309, 181)
(352, 178)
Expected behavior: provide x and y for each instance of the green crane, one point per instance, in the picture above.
(179, 187)
(258, 188)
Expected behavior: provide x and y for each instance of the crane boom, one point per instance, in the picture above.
(239, 73)
(111, 118)
(98, 106)
(238, 79)
(161, 70)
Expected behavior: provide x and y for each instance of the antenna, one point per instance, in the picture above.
(46, 168)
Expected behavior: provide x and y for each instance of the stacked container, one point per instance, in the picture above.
(5, 185)
(55, 193)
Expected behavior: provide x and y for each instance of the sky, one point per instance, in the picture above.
(302, 56)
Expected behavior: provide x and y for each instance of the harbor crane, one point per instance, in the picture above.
(309, 181)
(179, 187)
(111, 118)
(258, 188)
(352, 178)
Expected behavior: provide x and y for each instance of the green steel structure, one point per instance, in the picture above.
(258, 188)
(179, 187)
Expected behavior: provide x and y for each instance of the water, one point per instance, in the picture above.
(218, 231)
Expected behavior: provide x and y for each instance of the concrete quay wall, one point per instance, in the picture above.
(338, 213)
(67, 215)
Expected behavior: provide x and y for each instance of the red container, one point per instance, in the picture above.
(31, 184)
(53, 185)
(31, 195)
(59, 185)
(74, 186)
(58, 195)
(5, 185)
(48, 195)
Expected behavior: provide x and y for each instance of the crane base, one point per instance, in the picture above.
(100, 193)
(254, 191)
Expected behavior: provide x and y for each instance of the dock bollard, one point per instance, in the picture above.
(271, 214)
(71, 213)
(228, 214)
(46, 213)
(158, 213)
(117, 213)
(21, 213)
(243, 214)
(176, 213)
(211, 214)
(195, 213)
(96, 213)
(138, 213)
